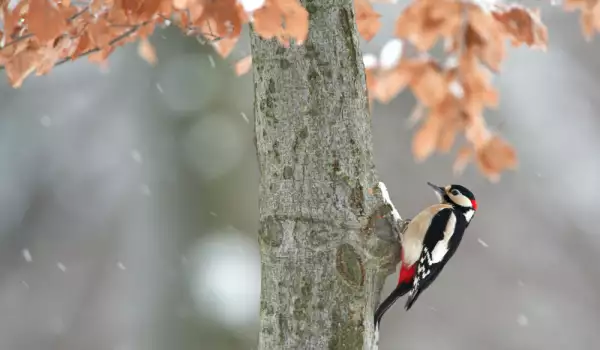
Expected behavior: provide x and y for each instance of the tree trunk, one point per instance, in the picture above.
(322, 265)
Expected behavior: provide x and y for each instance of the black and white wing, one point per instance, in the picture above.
(439, 245)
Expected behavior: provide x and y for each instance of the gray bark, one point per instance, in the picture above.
(323, 266)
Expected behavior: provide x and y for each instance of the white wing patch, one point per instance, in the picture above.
(441, 248)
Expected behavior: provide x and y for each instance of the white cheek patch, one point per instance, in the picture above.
(461, 200)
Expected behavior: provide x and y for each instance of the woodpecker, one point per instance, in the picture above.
(429, 241)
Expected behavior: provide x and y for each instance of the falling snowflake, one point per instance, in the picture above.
(46, 121)
(522, 320)
(27, 255)
(136, 155)
(482, 242)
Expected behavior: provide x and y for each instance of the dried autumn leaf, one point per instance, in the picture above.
(21, 65)
(146, 30)
(482, 22)
(449, 113)
(523, 25)
(296, 21)
(389, 83)
(476, 131)
(12, 18)
(410, 20)
(490, 51)
(45, 20)
(49, 54)
(495, 156)
(100, 32)
(367, 20)
(100, 57)
(147, 52)
(429, 85)
(243, 66)
(268, 21)
(221, 18)
(84, 44)
(225, 46)
(463, 158)
(425, 139)
(423, 22)
(183, 4)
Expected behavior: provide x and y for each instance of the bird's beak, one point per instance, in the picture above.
(439, 191)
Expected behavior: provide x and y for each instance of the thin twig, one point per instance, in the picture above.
(110, 43)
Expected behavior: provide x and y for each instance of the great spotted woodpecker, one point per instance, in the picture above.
(429, 241)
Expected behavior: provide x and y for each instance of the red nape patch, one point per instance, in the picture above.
(474, 204)
(406, 273)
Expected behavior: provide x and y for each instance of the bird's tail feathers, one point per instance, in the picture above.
(400, 291)
(412, 297)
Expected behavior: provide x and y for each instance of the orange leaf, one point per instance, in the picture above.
(84, 44)
(49, 55)
(220, 18)
(464, 156)
(99, 32)
(283, 19)
(425, 140)
(21, 65)
(390, 83)
(225, 46)
(367, 20)
(243, 66)
(523, 25)
(429, 85)
(12, 18)
(452, 122)
(495, 156)
(101, 56)
(147, 52)
(45, 20)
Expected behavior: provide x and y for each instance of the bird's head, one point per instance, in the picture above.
(458, 196)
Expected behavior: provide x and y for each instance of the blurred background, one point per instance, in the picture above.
(128, 211)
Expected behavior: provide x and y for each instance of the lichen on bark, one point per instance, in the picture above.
(323, 266)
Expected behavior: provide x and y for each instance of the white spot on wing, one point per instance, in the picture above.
(441, 248)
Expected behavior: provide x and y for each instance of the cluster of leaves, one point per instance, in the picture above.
(39, 34)
(452, 94)
(455, 92)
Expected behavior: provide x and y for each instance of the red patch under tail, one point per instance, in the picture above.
(406, 272)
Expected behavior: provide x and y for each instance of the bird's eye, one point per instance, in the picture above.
(455, 192)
